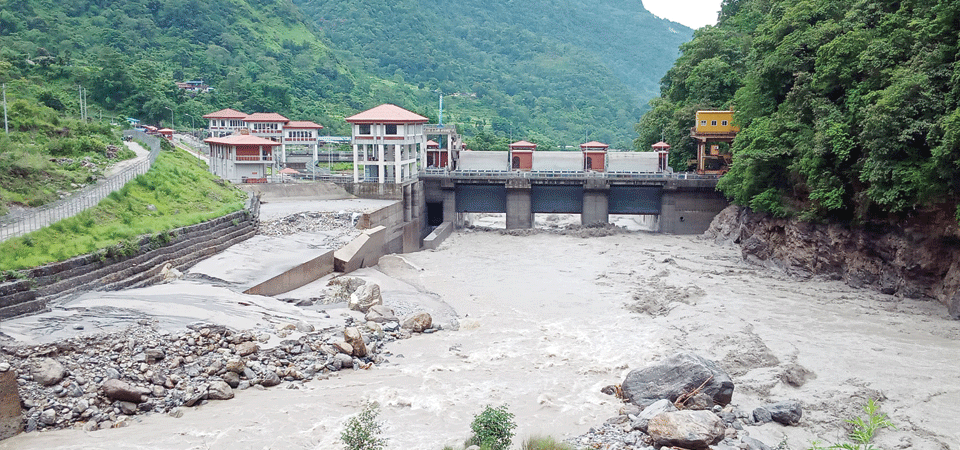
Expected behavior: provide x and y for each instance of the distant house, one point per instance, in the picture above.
(242, 158)
(387, 142)
(225, 122)
(194, 86)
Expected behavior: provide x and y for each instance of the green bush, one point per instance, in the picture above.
(493, 428)
(864, 430)
(362, 432)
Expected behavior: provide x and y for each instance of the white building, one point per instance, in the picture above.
(242, 158)
(388, 144)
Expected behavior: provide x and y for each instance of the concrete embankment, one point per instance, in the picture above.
(110, 270)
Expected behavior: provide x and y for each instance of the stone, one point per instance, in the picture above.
(753, 444)
(270, 378)
(677, 375)
(365, 297)
(235, 366)
(343, 347)
(687, 429)
(355, 339)
(346, 361)
(247, 348)
(48, 372)
(418, 322)
(380, 314)
(761, 415)
(657, 408)
(219, 390)
(4, 367)
(152, 355)
(304, 327)
(796, 375)
(786, 413)
(128, 408)
(232, 379)
(115, 389)
(953, 306)
(48, 416)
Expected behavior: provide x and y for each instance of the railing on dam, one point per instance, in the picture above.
(501, 174)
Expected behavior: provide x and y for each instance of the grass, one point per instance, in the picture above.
(864, 429)
(182, 192)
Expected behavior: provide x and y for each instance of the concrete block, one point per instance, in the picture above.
(10, 423)
(411, 236)
(363, 251)
(298, 276)
(438, 235)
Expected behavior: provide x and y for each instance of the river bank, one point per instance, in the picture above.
(547, 320)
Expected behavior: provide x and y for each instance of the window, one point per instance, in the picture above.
(713, 123)
(391, 129)
(364, 129)
(724, 123)
(703, 123)
(516, 162)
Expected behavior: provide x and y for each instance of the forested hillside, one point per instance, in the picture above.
(849, 110)
(552, 72)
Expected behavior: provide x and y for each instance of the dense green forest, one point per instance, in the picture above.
(547, 71)
(849, 110)
(540, 74)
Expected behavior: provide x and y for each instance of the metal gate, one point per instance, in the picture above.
(556, 199)
(634, 199)
(490, 198)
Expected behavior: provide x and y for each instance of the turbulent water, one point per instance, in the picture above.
(547, 320)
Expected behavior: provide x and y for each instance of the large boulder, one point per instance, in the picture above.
(675, 376)
(418, 322)
(219, 390)
(353, 337)
(48, 372)
(366, 296)
(786, 413)
(121, 390)
(654, 410)
(380, 314)
(687, 429)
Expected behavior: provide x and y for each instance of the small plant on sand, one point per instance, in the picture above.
(493, 428)
(545, 443)
(362, 432)
(864, 429)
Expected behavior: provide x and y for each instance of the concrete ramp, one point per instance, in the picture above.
(363, 251)
(281, 191)
(296, 277)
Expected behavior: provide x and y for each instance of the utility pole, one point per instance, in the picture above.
(85, 114)
(6, 127)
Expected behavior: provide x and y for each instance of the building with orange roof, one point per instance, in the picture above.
(242, 158)
(225, 122)
(594, 155)
(521, 155)
(388, 144)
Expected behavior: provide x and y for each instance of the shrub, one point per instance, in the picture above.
(362, 432)
(545, 443)
(493, 428)
(864, 429)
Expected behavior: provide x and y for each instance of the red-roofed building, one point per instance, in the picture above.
(166, 133)
(302, 134)
(242, 158)
(225, 122)
(663, 153)
(436, 157)
(388, 142)
(521, 155)
(594, 155)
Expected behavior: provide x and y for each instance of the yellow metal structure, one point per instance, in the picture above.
(711, 129)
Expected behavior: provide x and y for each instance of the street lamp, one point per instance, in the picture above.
(172, 123)
(192, 127)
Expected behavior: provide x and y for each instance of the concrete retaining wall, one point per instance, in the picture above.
(438, 235)
(633, 162)
(558, 161)
(313, 191)
(484, 161)
(363, 251)
(374, 190)
(105, 271)
(299, 276)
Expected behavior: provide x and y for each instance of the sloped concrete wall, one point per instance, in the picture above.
(298, 276)
(362, 251)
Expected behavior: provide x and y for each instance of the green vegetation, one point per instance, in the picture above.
(849, 111)
(46, 156)
(182, 192)
(864, 430)
(545, 443)
(493, 428)
(362, 432)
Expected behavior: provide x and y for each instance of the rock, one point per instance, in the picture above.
(304, 327)
(346, 361)
(115, 389)
(343, 347)
(168, 272)
(152, 355)
(953, 306)
(761, 415)
(786, 413)
(270, 379)
(675, 376)
(355, 339)
(235, 366)
(657, 408)
(247, 348)
(796, 375)
(380, 314)
(753, 444)
(48, 416)
(4, 367)
(111, 373)
(365, 297)
(48, 372)
(219, 390)
(232, 379)
(687, 429)
(128, 408)
(418, 322)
